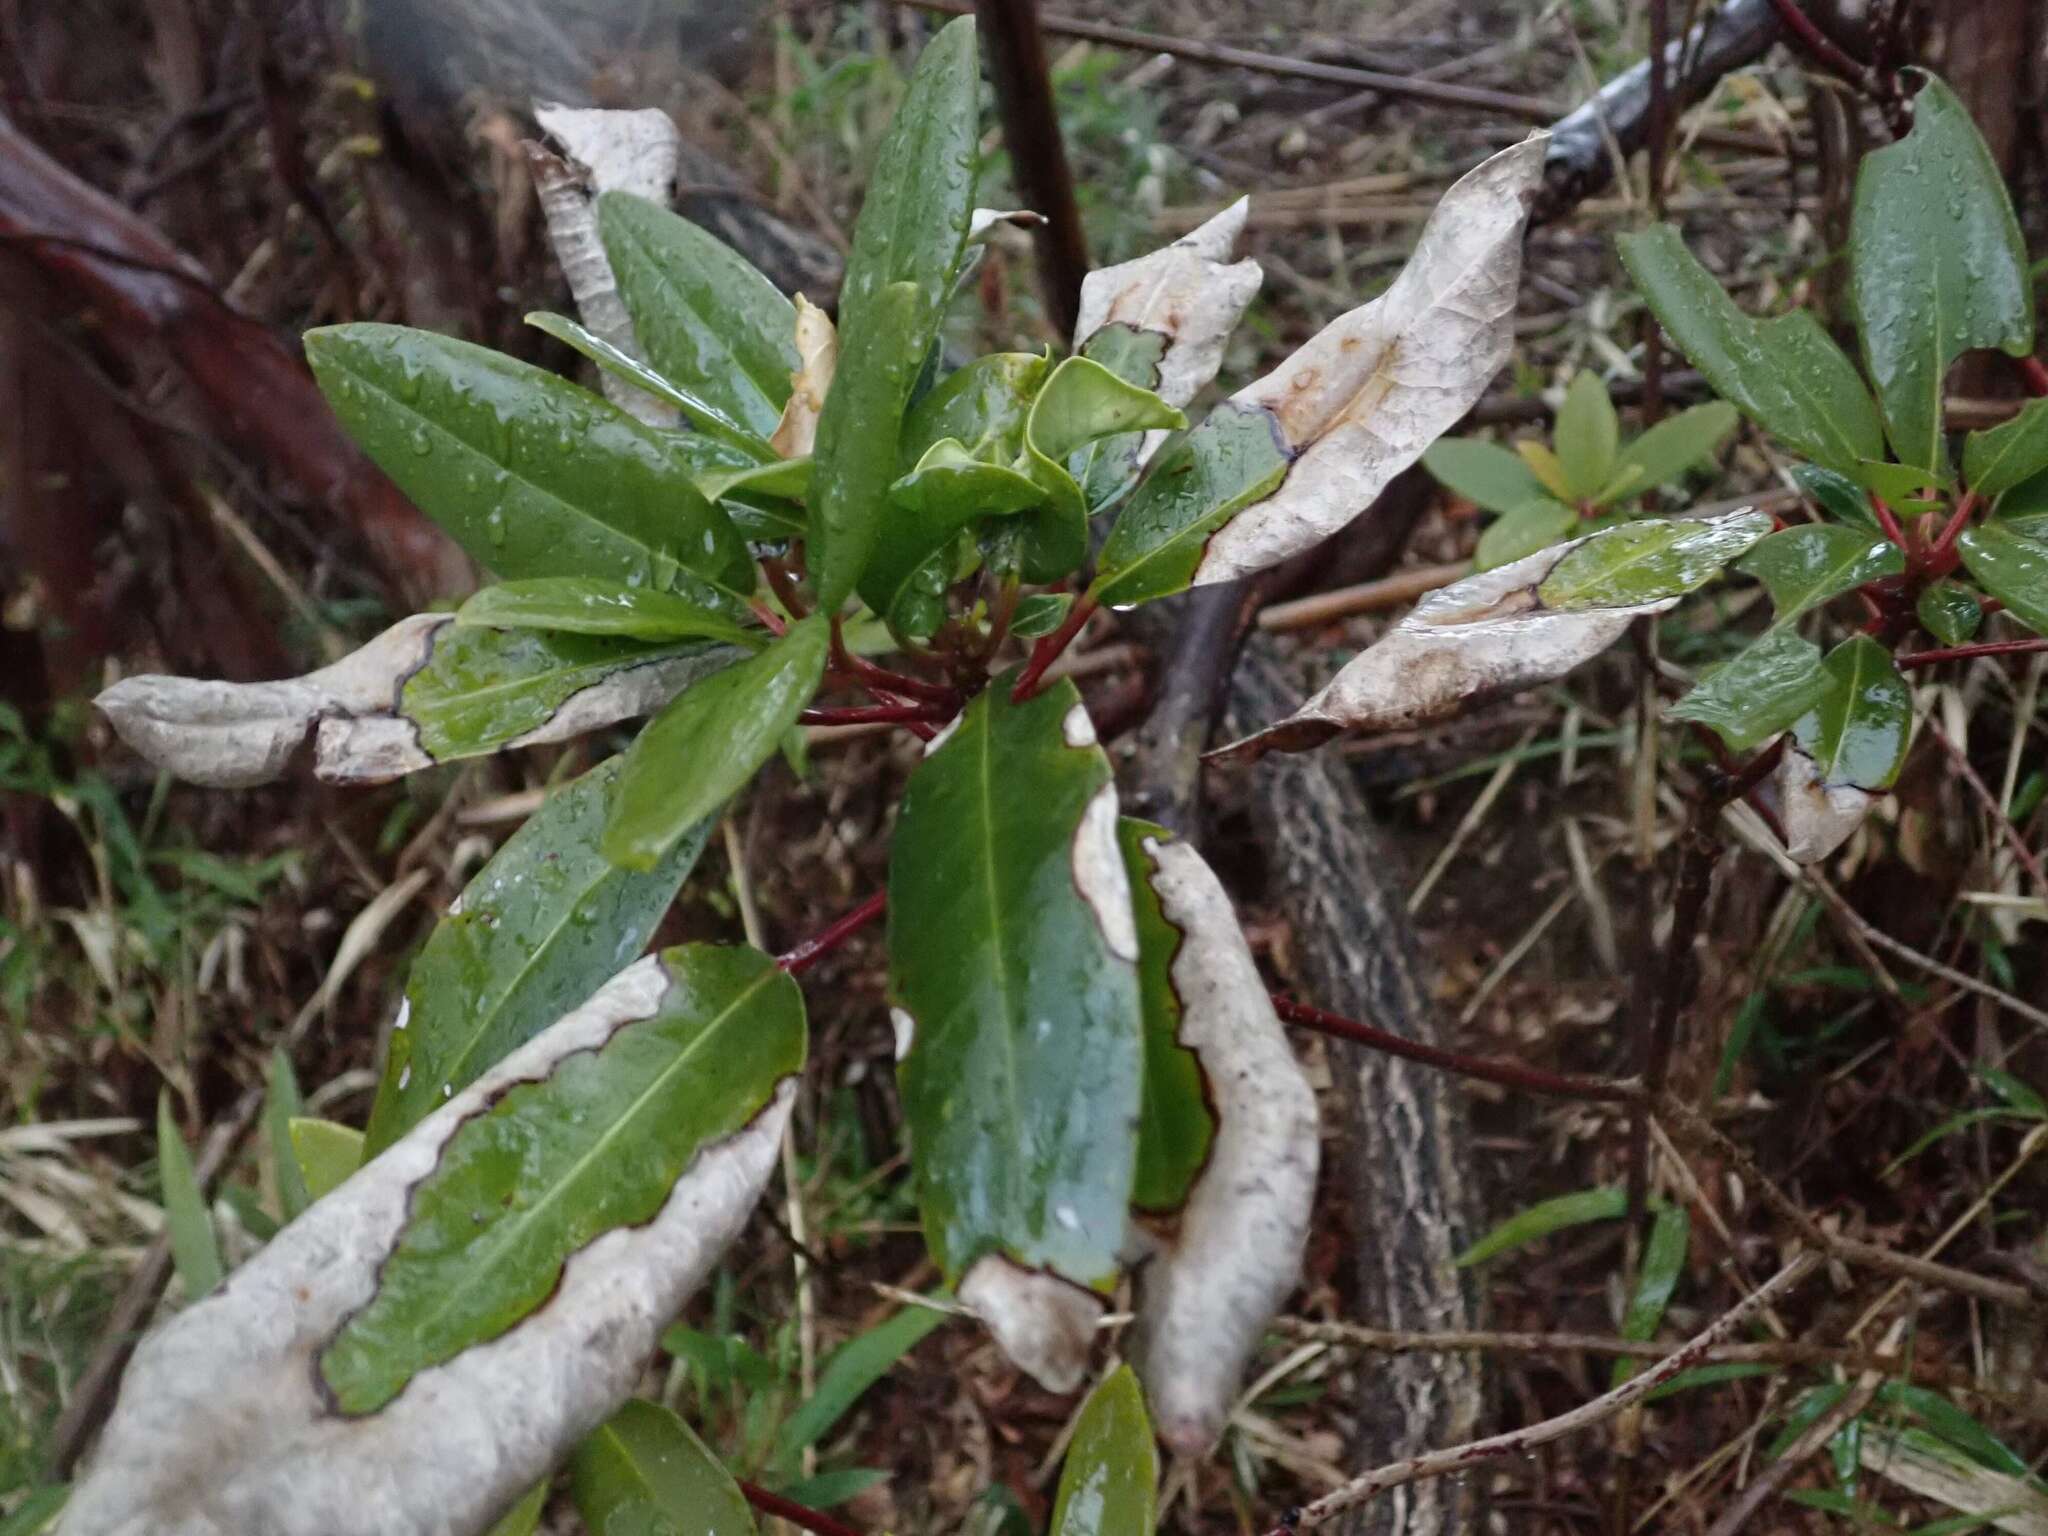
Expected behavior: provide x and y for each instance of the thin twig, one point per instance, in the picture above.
(820, 944)
(816, 1521)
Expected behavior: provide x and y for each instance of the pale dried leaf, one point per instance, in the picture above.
(607, 151)
(1204, 1301)
(983, 223)
(1360, 402)
(1190, 293)
(1043, 1323)
(1818, 817)
(817, 350)
(222, 1428)
(2006, 1503)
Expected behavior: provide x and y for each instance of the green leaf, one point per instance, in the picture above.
(482, 689)
(553, 1164)
(588, 605)
(1009, 960)
(853, 1368)
(1836, 494)
(1607, 1203)
(644, 1472)
(1938, 267)
(1546, 467)
(1785, 374)
(194, 1249)
(1806, 565)
(530, 474)
(1999, 458)
(1485, 474)
(2024, 508)
(1902, 485)
(716, 431)
(1040, 614)
(1812, 1406)
(707, 320)
(1645, 561)
(2015, 1093)
(709, 741)
(2012, 568)
(1663, 1265)
(1586, 435)
(325, 1153)
(1110, 1482)
(1708, 1376)
(1532, 526)
(1857, 731)
(1231, 460)
(1669, 449)
(783, 480)
(1175, 1122)
(1082, 403)
(281, 1104)
(1955, 1426)
(1950, 612)
(38, 1507)
(523, 1518)
(1759, 692)
(536, 931)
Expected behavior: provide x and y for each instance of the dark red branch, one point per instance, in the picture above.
(867, 674)
(834, 934)
(802, 1516)
(1049, 650)
(2036, 375)
(1969, 652)
(1823, 49)
(1509, 1074)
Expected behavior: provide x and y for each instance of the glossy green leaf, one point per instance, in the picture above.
(709, 741)
(529, 473)
(1040, 614)
(1857, 732)
(325, 1153)
(716, 430)
(1753, 696)
(1485, 474)
(2011, 567)
(853, 1368)
(523, 1518)
(1806, 565)
(1646, 561)
(785, 480)
(1607, 1203)
(552, 1164)
(1532, 526)
(2024, 508)
(281, 1104)
(1081, 403)
(1175, 1122)
(535, 932)
(482, 689)
(1938, 267)
(194, 1248)
(1999, 458)
(1011, 961)
(1234, 458)
(1105, 469)
(1669, 449)
(1836, 494)
(1785, 374)
(856, 454)
(1586, 436)
(1901, 485)
(707, 320)
(1663, 1265)
(1110, 1482)
(588, 605)
(1950, 612)
(644, 1472)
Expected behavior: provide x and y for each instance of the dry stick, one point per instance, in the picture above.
(1367, 597)
(1517, 1442)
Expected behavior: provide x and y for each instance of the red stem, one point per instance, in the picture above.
(832, 935)
(1940, 559)
(1888, 522)
(1048, 650)
(874, 714)
(1509, 1074)
(868, 675)
(802, 1516)
(2036, 375)
(1967, 652)
(1819, 44)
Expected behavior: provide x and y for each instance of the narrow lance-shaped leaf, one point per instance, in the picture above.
(709, 742)
(1587, 435)
(1484, 473)
(194, 1248)
(373, 1368)
(325, 1153)
(1513, 627)
(281, 1104)
(1938, 267)
(608, 150)
(1844, 750)
(1606, 1203)
(1669, 449)
(1805, 566)
(1224, 1268)
(1786, 374)
(853, 1368)
(586, 605)
(1663, 1265)
(1346, 413)
(533, 934)
(1753, 696)
(1012, 967)
(1110, 1483)
(2010, 566)
(423, 692)
(644, 1469)
(716, 430)
(531, 474)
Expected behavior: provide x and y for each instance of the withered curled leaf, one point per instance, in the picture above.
(1818, 816)
(817, 348)
(1234, 1251)
(1359, 403)
(1512, 627)
(226, 1423)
